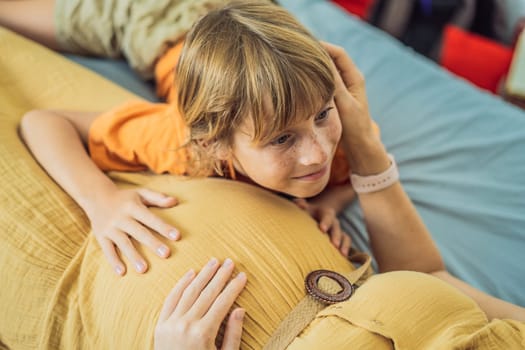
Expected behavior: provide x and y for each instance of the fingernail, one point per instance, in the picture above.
(241, 276)
(119, 270)
(212, 262)
(189, 274)
(174, 234)
(227, 263)
(163, 251)
(140, 266)
(239, 314)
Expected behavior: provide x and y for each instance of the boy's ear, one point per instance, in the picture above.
(216, 149)
(222, 151)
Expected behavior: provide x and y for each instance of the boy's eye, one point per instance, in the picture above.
(323, 115)
(281, 140)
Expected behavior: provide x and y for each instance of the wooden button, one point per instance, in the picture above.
(312, 287)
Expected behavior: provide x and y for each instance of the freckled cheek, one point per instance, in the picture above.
(334, 131)
(281, 166)
(287, 161)
(331, 136)
(276, 167)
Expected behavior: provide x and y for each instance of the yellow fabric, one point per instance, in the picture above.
(404, 311)
(41, 228)
(61, 293)
(58, 291)
(266, 236)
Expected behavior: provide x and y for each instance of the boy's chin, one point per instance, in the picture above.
(309, 192)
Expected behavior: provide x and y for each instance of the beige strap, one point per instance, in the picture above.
(377, 182)
(305, 311)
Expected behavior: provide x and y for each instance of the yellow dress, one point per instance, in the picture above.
(58, 291)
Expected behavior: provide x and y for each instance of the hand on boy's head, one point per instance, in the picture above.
(348, 75)
(350, 97)
(122, 216)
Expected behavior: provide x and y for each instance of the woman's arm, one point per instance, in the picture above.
(57, 139)
(493, 307)
(33, 19)
(398, 236)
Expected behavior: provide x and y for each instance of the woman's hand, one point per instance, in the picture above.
(123, 215)
(323, 211)
(197, 305)
(364, 150)
(390, 217)
(350, 92)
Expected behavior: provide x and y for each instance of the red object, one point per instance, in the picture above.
(475, 58)
(359, 8)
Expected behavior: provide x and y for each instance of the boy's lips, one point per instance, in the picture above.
(313, 176)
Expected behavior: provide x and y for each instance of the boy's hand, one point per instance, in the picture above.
(122, 215)
(326, 216)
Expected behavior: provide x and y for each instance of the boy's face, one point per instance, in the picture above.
(296, 161)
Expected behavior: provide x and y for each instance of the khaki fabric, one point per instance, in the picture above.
(58, 291)
(139, 30)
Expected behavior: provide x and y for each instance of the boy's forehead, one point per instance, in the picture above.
(270, 122)
(246, 127)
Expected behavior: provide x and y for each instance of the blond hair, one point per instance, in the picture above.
(248, 59)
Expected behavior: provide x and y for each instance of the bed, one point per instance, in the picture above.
(460, 151)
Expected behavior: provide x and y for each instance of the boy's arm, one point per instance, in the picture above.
(335, 197)
(56, 139)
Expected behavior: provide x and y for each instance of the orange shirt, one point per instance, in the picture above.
(165, 73)
(140, 135)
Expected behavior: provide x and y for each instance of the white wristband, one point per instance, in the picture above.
(374, 183)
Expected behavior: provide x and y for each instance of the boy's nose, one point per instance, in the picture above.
(313, 152)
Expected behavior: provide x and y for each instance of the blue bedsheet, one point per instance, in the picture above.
(461, 152)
